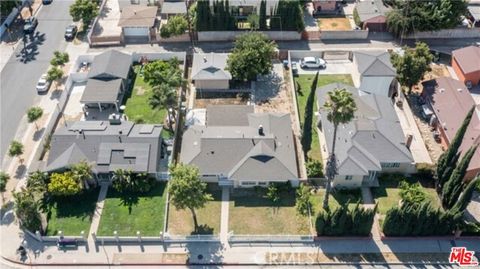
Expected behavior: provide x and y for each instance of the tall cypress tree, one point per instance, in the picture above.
(454, 185)
(466, 196)
(446, 158)
(263, 15)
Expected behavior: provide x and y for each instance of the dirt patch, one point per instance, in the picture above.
(139, 90)
(334, 24)
(438, 70)
(204, 102)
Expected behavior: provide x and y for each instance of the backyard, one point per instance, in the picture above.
(180, 222)
(387, 195)
(303, 83)
(71, 215)
(251, 212)
(334, 24)
(129, 213)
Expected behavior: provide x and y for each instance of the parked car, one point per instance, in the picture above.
(71, 32)
(43, 84)
(313, 62)
(294, 69)
(46, 2)
(30, 25)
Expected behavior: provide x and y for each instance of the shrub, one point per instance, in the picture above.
(412, 193)
(356, 18)
(64, 184)
(344, 221)
(314, 169)
(302, 202)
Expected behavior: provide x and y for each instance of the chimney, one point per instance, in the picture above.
(260, 130)
(120, 136)
(409, 140)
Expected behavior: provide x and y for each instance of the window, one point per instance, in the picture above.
(262, 183)
(390, 165)
(348, 177)
(248, 183)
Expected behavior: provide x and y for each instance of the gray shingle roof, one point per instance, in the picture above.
(374, 63)
(100, 91)
(373, 137)
(227, 115)
(174, 8)
(127, 145)
(369, 9)
(111, 64)
(138, 16)
(240, 152)
(376, 85)
(210, 66)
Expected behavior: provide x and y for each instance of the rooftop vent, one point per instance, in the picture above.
(441, 90)
(204, 59)
(260, 130)
(459, 89)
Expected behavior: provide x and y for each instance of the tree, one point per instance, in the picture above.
(413, 64)
(466, 196)
(33, 114)
(302, 202)
(262, 20)
(126, 181)
(251, 56)
(26, 210)
(273, 193)
(288, 16)
(412, 192)
(164, 96)
(59, 58)
(37, 182)
(4, 178)
(82, 172)
(448, 157)
(340, 108)
(175, 26)
(54, 74)
(84, 10)
(186, 190)
(16, 149)
(454, 185)
(64, 184)
(159, 72)
(314, 169)
(344, 221)
(7, 6)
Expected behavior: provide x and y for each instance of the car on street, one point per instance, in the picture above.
(30, 25)
(71, 32)
(46, 2)
(313, 62)
(43, 84)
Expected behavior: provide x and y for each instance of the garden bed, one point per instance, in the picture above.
(250, 212)
(129, 213)
(180, 222)
(71, 215)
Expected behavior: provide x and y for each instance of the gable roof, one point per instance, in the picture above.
(228, 115)
(240, 151)
(377, 85)
(210, 66)
(468, 58)
(370, 9)
(111, 64)
(71, 156)
(100, 91)
(138, 16)
(372, 138)
(374, 63)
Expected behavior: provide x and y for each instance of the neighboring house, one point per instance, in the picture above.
(466, 63)
(243, 8)
(450, 102)
(374, 73)
(108, 147)
(326, 6)
(474, 11)
(240, 148)
(372, 15)
(138, 23)
(209, 73)
(372, 144)
(107, 80)
(170, 9)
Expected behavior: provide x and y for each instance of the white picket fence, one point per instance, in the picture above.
(269, 238)
(160, 239)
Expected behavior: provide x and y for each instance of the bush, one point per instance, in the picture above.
(64, 184)
(412, 193)
(175, 26)
(356, 18)
(344, 221)
(302, 201)
(128, 182)
(314, 169)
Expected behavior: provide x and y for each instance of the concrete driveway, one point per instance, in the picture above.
(333, 67)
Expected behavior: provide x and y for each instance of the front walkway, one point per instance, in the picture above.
(98, 211)
(224, 216)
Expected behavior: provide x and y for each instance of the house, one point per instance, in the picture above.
(170, 9)
(107, 80)
(209, 71)
(237, 147)
(372, 144)
(138, 22)
(474, 11)
(372, 15)
(108, 146)
(466, 63)
(374, 73)
(326, 6)
(450, 102)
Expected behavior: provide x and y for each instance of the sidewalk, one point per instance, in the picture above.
(224, 216)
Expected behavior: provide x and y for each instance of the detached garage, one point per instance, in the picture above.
(138, 23)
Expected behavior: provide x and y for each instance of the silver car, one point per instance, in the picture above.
(43, 84)
(313, 62)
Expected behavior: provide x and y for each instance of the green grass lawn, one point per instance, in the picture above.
(137, 106)
(130, 213)
(250, 212)
(337, 198)
(180, 222)
(303, 85)
(72, 215)
(387, 195)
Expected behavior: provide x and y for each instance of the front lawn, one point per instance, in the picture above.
(130, 213)
(71, 215)
(180, 222)
(303, 84)
(250, 212)
(137, 106)
(387, 195)
(337, 198)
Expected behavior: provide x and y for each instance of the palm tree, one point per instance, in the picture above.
(82, 172)
(340, 108)
(165, 96)
(122, 180)
(37, 182)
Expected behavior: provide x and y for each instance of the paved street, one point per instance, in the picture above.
(20, 74)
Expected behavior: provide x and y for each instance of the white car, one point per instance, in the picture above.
(43, 84)
(313, 62)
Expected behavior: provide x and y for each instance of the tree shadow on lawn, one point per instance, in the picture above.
(130, 199)
(258, 198)
(82, 205)
(347, 196)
